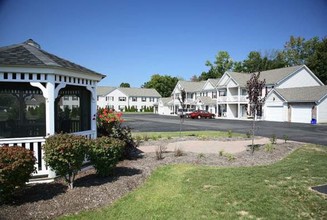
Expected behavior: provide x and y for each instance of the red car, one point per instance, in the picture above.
(201, 114)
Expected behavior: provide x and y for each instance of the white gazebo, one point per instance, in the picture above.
(42, 94)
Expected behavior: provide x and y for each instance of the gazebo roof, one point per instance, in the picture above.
(30, 54)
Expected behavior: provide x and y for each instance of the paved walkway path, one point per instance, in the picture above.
(208, 146)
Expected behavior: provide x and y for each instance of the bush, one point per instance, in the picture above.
(16, 167)
(273, 139)
(65, 154)
(178, 152)
(107, 119)
(159, 152)
(109, 125)
(105, 153)
(269, 147)
(230, 133)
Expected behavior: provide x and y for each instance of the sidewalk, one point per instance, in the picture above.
(208, 146)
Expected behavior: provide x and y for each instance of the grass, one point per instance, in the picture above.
(200, 134)
(278, 191)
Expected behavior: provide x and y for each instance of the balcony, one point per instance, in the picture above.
(234, 98)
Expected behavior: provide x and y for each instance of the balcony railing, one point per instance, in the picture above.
(233, 98)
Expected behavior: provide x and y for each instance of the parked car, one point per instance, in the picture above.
(201, 114)
(186, 112)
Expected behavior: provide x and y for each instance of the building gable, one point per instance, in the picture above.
(303, 77)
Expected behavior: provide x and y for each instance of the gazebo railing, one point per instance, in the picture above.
(35, 144)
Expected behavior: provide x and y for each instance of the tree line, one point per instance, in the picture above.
(296, 51)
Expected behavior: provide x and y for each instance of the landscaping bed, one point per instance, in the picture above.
(51, 200)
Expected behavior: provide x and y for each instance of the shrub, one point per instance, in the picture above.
(178, 152)
(16, 167)
(269, 147)
(248, 134)
(145, 137)
(109, 125)
(65, 154)
(273, 139)
(107, 119)
(285, 137)
(159, 152)
(201, 155)
(229, 156)
(230, 133)
(105, 153)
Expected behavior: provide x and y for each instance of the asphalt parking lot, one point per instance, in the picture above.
(316, 134)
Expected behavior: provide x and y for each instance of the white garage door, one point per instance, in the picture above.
(275, 113)
(301, 113)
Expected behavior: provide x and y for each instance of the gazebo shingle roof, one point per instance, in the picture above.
(29, 53)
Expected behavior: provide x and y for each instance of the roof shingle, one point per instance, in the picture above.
(30, 54)
(303, 94)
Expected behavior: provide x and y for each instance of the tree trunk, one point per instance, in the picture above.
(253, 131)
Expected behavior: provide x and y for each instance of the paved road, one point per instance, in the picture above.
(295, 131)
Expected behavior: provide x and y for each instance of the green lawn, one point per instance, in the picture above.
(200, 134)
(279, 191)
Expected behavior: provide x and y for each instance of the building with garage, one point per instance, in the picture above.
(227, 97)
(299, 104)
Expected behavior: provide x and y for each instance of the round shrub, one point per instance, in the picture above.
(65, 153)
(105, 153)
(16, 167)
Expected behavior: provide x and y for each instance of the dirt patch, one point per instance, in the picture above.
(44, 201)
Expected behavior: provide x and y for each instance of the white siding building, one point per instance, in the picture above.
(227, 97)
(122, 98)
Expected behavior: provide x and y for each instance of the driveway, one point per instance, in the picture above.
(316, 134)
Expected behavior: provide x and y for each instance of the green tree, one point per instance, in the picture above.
(163, 84)
(222, 64)
(125, 85)
(253, 63)
(318, 61)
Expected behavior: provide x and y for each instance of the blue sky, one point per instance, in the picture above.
(130, 40)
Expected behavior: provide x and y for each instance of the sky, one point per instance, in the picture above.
(131, 40)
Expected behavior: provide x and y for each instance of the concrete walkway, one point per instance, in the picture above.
(208, 146)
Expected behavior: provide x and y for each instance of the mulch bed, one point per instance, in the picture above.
(50, 200)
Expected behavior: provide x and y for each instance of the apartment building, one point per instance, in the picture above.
(227, 97)
(121, 99)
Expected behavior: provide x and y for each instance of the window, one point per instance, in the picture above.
(111, 98)
(75, 98)
(214, 95)
(143, 99)
(73, 116)
(134, 99)
(151, 99)
(22, 111)
(66, 97)
(122, 99)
